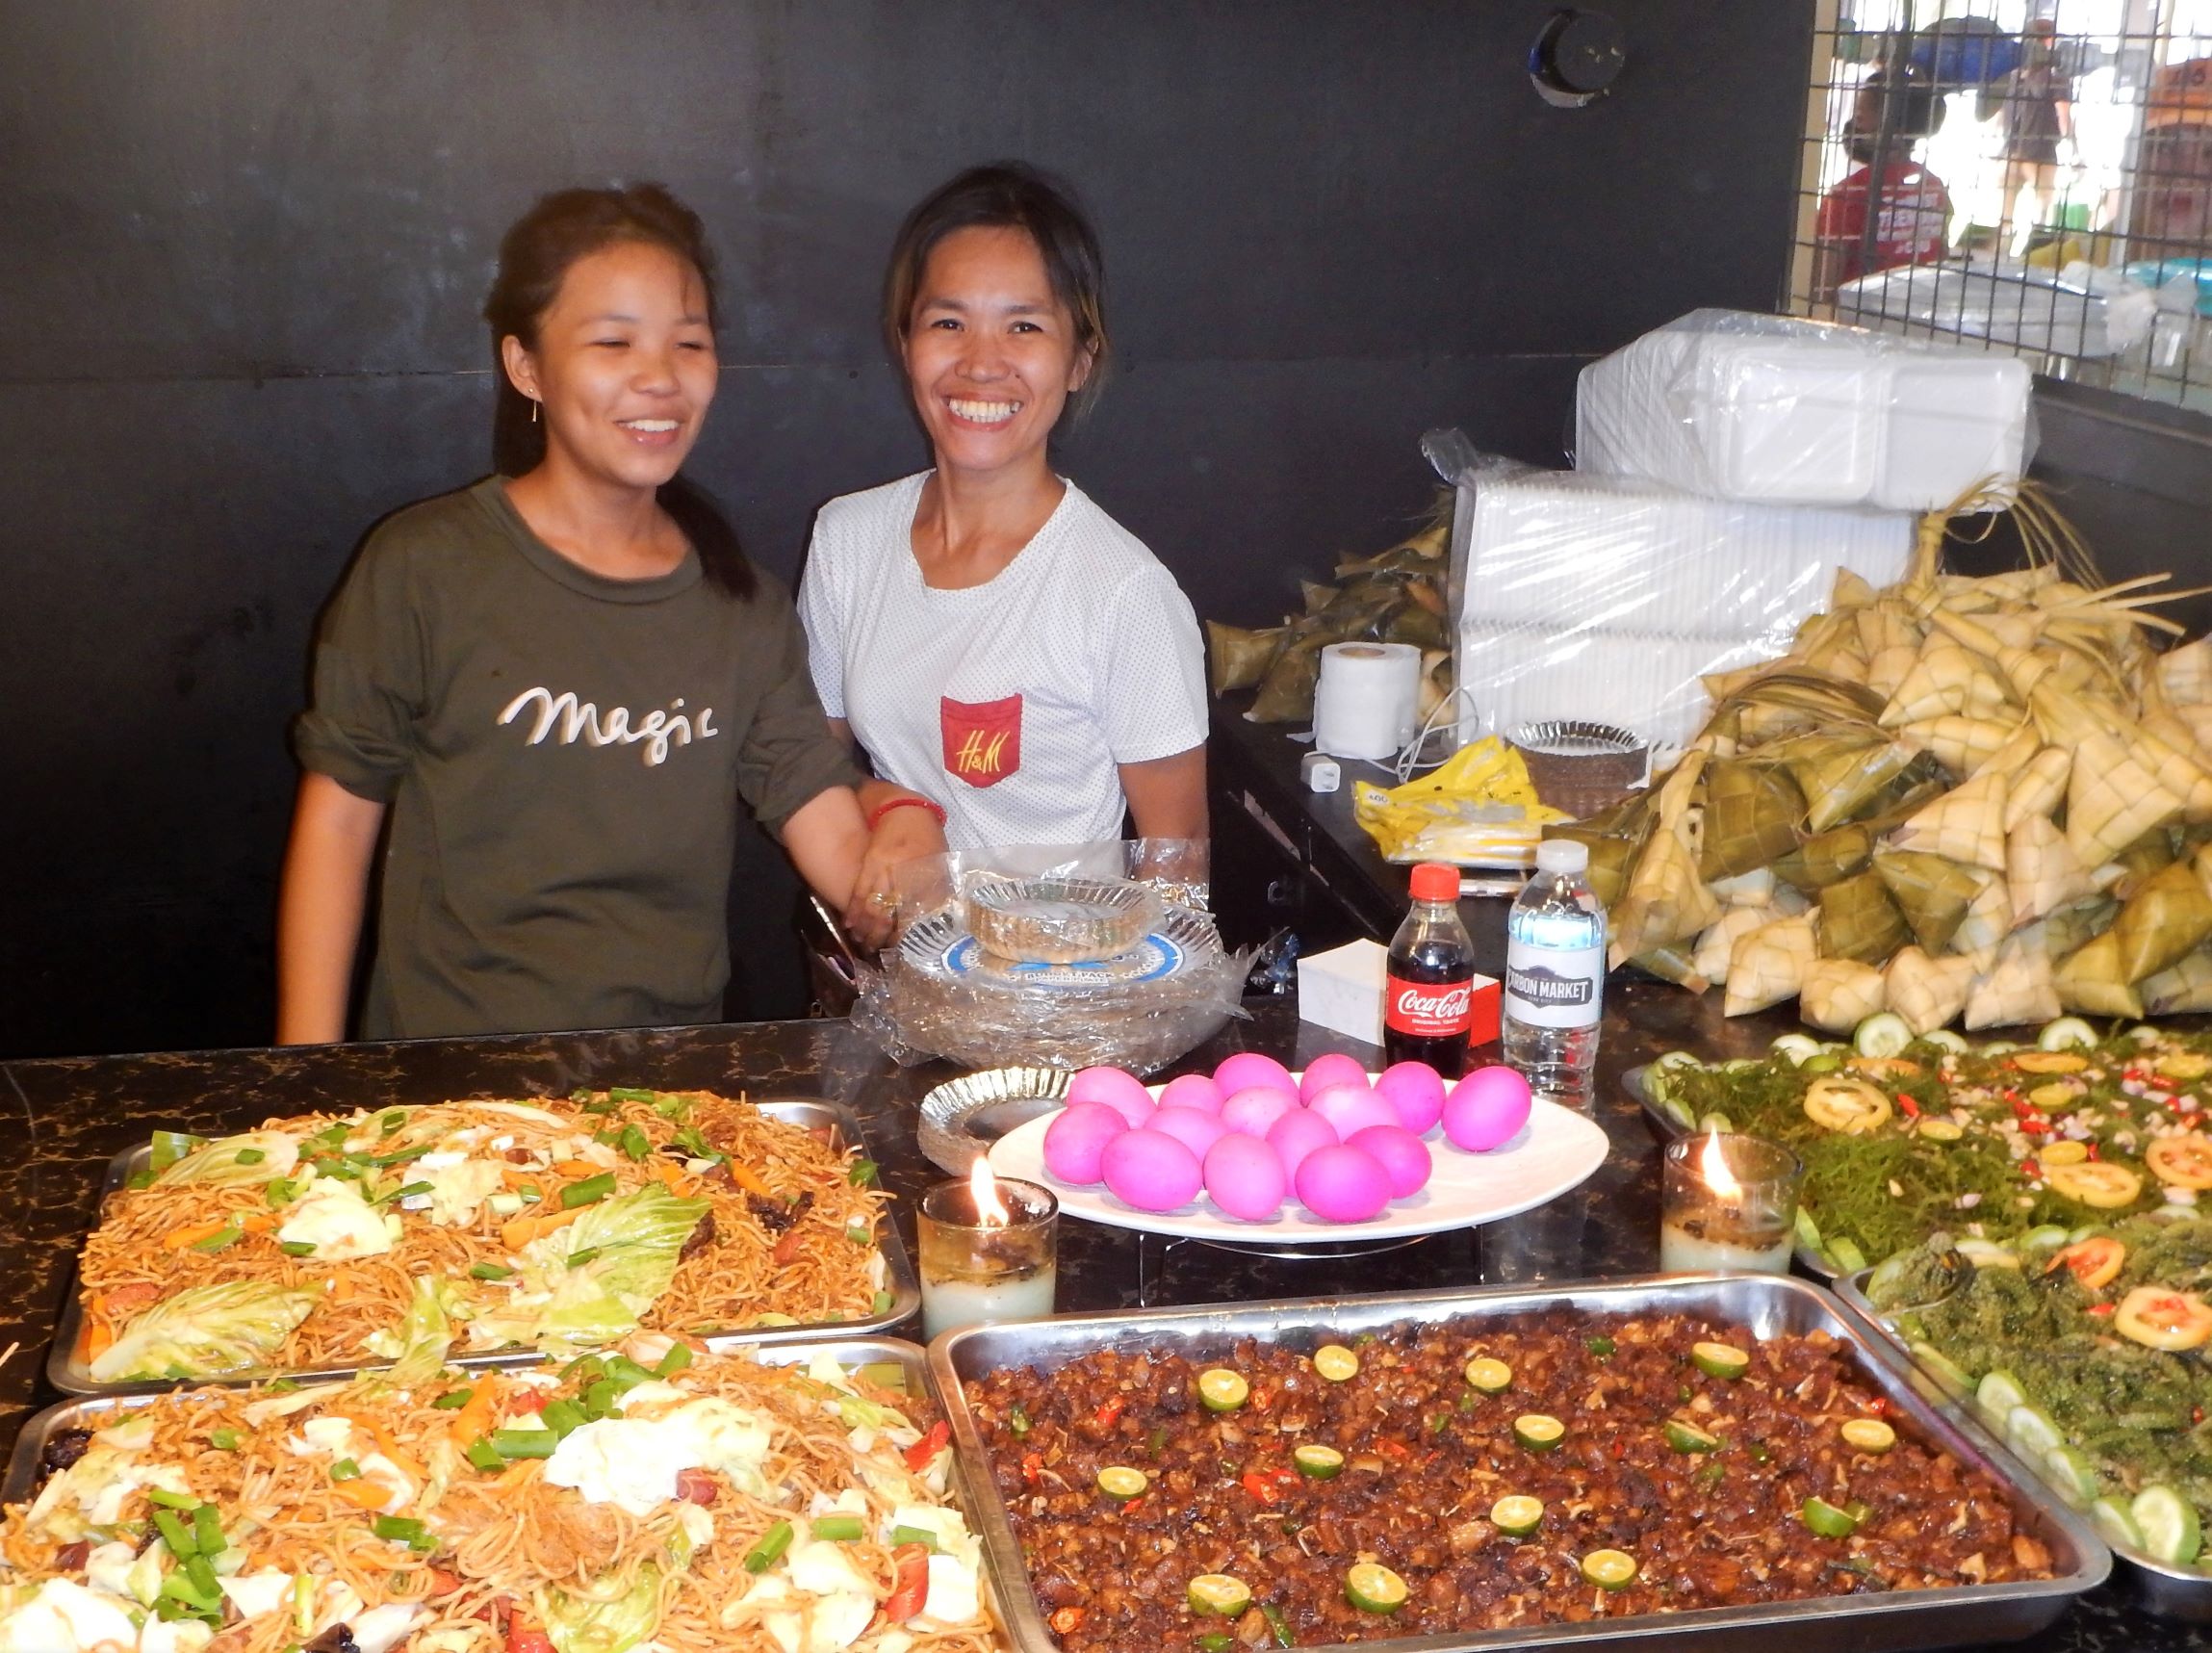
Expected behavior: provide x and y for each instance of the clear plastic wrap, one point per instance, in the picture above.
(938, 992)
(2078, 311)
(1596, 598)
(1773, 409)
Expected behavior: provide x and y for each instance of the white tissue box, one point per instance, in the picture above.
(1340, 990)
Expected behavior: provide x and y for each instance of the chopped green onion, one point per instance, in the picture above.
(281, 1191)
(202, 1575)
(167, 1500)
(452, 1400)
(490, 1271)
(171, 1146)
(399, 1529)
(1018, 1420)
(631, 1093)
(678, 1357)
(296, 1248)
(486, 1456)
(564, 1417)
(926, 1537)
(599, 1105)
(1601, 1347)
(837, 1529)
(862, 1174)
(217, 1241)
(524, 1442)
(400, 1156)
(881, 1302)
(207, 1531)
(672, 1108)
(589, 1192)
(280, 1386)
(248, 1156)
(176, 1533)
(635, 1143)
(1277, 1625)
(223, 1439)
(408, 1191)
(859, 1233)
(346, 1469)
(389, 1123)
(773, 1543)
(531, 1193)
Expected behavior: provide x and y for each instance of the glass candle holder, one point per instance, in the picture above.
(1727, 1202)
(976, 1270)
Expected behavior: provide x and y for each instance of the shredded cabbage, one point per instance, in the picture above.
(589, 1283)
(205, 1332)
(268, 1154)
(576, 1624)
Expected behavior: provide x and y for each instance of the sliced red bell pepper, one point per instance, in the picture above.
(929, 1445)
(910, 1583)
(525, 1637)
(1261, 1488)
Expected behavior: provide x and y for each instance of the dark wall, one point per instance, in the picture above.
(245, 243)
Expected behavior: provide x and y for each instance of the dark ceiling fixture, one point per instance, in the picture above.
(1577, 58)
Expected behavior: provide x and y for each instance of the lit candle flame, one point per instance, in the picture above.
(989, 1210)
(1712, 1166)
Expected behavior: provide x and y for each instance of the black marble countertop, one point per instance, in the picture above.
(61, 1121)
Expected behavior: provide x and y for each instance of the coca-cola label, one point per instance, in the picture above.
(1554, 987)
(1428, 1009)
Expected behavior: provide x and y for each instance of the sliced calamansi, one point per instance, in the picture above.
(1719, 1359)
(1517, 1515)
(1217, 1595)
(1936, 1128)
(1688, 1437)
(1851, 1106)
(2056, 1096)
(1610, 1569)
(1374, 1589)
(1493, 1377)
(1120, 1483)
(2094, 1262)
(2064, 1153)
(1538, 1432)
(1884, 1068)
(1335, 1363)
(1318, 1462)
(2185, 1161)
(1870, 1435)
(2160, 1318)
(2096, 1183)
(2049, 1062)
(1826, 1519)
(1223, 1390)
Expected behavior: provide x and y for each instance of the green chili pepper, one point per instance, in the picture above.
(1278, 1624)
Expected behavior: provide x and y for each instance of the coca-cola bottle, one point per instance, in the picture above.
(1427, 1001)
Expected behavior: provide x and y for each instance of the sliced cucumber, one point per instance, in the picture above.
(2049, 1237)
(1996, 1396)
(2030, 1433)
(1882, 1034)
(1999, 1048)
(1808, 1230)
(2067, 1033)
(1846, 1255)
(1825, 1062)
(1943, 1039)
(1717, 1123)
(1946, 1373)
(1739, 1065)
(2168, 1522)
(1674, 1059)
(2116, 1524)
(1796, 1046)
(1986, 1254)
(1679, 1111)
(2070, 1474)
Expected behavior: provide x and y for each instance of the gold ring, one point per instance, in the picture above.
(883, 901)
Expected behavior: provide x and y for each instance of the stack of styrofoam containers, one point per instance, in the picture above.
(1727, 466)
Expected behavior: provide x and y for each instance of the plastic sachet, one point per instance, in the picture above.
(939, 991)
(1778, 410)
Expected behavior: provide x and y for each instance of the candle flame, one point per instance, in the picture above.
(1712, 1166)
(989, 1210)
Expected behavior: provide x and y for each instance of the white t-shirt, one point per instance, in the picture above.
(1009, 702)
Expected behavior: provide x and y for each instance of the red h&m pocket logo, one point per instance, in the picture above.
(982, 740)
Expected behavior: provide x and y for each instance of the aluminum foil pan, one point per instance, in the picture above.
(960, 1120)
(1058, 920)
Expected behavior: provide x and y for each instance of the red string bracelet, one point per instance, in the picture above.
(909, 802)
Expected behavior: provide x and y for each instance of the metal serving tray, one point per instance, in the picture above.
(2171, 1593)
(68, 1372)
(1764, 1305)
(1670, 1128)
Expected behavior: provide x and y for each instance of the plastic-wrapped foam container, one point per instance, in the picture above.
(1774, 410)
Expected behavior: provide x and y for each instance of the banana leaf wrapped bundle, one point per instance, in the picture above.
(2139, 863)
(1928, 993)
(2162, 921)
(1237, 659)
(1718, 945)
(2112, 799)
(1286, 691)
(1768, 965)
(1964, 825)
(1948, 679)
(1672, 963)
(1858, 920)
(1665, 900)
(1934, 894)
(2042, 872)
(2068, 928)
(1839, 993)
(1614, 838)
(2040, 787)
(2090, 980)
(1751, 816)
(1843, 775)
(2183, 989)
(1961, 744)
(1828, 858)
(2018, 986)
(1988, 921)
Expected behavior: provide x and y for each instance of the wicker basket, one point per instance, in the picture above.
(1582, 768)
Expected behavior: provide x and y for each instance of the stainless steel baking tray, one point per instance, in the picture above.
(2172, 1593)
(68, 1372)
(1672, 1125)
(1763, 1305)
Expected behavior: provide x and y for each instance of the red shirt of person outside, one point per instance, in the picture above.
(1911, 224)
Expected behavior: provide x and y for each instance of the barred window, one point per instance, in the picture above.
(2035, 175)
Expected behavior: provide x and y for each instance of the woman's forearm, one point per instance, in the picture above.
(320, 908)
(826, 840)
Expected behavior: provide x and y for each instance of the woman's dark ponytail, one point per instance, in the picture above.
(534, 259)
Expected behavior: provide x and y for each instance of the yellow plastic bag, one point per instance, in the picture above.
(1476, 809)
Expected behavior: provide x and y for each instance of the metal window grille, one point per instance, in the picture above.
(2033, 175)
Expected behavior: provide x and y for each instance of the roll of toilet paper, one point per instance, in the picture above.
(1367, 702)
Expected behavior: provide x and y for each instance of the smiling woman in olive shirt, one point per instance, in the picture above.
(559, 683)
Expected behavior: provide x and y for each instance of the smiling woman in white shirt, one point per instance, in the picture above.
(987, 634)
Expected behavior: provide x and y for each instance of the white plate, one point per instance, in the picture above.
(1555, 1152)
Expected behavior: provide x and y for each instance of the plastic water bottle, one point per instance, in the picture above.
(1555, 976)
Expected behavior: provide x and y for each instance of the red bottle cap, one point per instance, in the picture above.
(1433, 881)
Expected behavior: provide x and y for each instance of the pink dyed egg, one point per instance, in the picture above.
(1415, 1090)
(1486, 1108)
(1195, 1130)
(1402, 1157)
(1118, 1090)
(1253, 1110)
(1296, 1134)
(1192, 1091)
(1246, 1178)
(1350, 1108)
(1249, 1068)
(1076, 1137)
(1333, 1068)
(1342, 1185)
(1151, 1170)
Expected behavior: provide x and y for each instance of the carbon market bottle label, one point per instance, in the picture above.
(1554, 987)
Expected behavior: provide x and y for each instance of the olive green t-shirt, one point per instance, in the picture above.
(563, 754)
